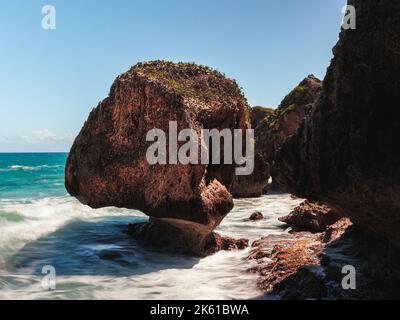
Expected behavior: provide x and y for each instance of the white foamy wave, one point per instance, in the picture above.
(135, 273)
(50, 166)
(220, 276)
(18, 168)
(40, 217)
(29, 168)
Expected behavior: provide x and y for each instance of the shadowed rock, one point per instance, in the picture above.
(180, 236)
(272, 128)
(347, 152)
(254, 184)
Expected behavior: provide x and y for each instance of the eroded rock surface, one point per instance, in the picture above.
(180, 236)
(107, 164)
(304, 265)
(347, 153)
(271, 128)
(311, 216)
(252, 186)
(272, 131)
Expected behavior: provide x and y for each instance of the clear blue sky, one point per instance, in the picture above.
(50, 80)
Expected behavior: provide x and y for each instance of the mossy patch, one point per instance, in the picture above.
(272, 119)
(266, 110)
(191, 80)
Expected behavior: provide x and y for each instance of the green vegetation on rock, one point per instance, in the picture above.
(266, 110)
(190, 80)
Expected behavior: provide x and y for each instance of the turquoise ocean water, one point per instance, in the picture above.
(32, 175)
(41, 225)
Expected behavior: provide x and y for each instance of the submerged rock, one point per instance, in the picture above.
(107, 164)
(257, 215)
(347, 153)
(180, 236)
(311, 216)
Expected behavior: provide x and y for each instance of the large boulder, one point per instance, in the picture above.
(107, 164)
(347, 152)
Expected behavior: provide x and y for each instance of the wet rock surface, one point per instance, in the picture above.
(184, 237)
(311, 216)
(255, 216)
(304, 265)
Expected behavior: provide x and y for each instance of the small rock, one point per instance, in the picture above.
(336, 230)
(256, 216)
(228, 243)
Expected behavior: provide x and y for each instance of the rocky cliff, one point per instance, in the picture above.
(271, 128)
(347, 152)
(254, 184)
(107, 165)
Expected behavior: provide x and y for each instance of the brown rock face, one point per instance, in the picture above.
(107, 165)
(258, 114)
(272, 132)
(311, 216)
(304, 265)
(347, 152)
(271, 129)
(285, 258)
(183, 237)
(253, 185)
